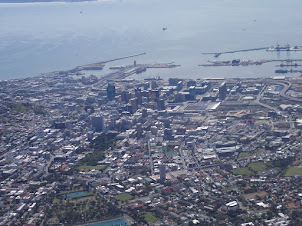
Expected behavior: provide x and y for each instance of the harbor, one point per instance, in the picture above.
(97, 66)
(268, 49)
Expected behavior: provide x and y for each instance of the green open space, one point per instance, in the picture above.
(150, 218)
(244, 154)
(96, 152)
(255, 167)
(97, 167)
(124, 197)
(254, 195)
(242, 171)
(76, 195)
(24, 107)
(258, 166)
(293, 171)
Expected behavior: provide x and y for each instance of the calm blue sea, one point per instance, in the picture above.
(41, 37)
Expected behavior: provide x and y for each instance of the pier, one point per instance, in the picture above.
(217, 54)
(122, 58)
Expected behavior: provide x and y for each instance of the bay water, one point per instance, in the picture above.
(37, 38)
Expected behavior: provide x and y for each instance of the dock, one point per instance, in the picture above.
(286, 48)
(128, 70)
(238, 62)
(289, 65)
(165, 65)
(284, 71)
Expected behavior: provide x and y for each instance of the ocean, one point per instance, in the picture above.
(36, 38)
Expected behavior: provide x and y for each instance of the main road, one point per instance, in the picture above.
(260, 95)
(286, 86)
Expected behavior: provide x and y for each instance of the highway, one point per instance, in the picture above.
(182, 156)
(150, 159)
(286, 86)
(260, 95)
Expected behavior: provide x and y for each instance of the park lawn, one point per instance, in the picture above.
(254, 195)
(258, 166)
(124, 197)
(260, 150)
(242, 171)
(293, 171)
(150, 218)
(235, 187)
(244, 154)
(69, 191)
(98, 167)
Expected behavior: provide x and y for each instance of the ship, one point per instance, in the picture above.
(140, 70)
(281, 71)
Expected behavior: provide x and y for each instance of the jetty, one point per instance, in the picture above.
(217, 54)
(122, 58)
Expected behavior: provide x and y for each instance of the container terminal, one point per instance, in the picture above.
(269, 49)
(284, 48)
(238, 62)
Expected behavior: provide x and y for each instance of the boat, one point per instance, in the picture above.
(140, 70)
(281, 71)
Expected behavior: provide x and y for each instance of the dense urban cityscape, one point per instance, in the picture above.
(81, 149)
